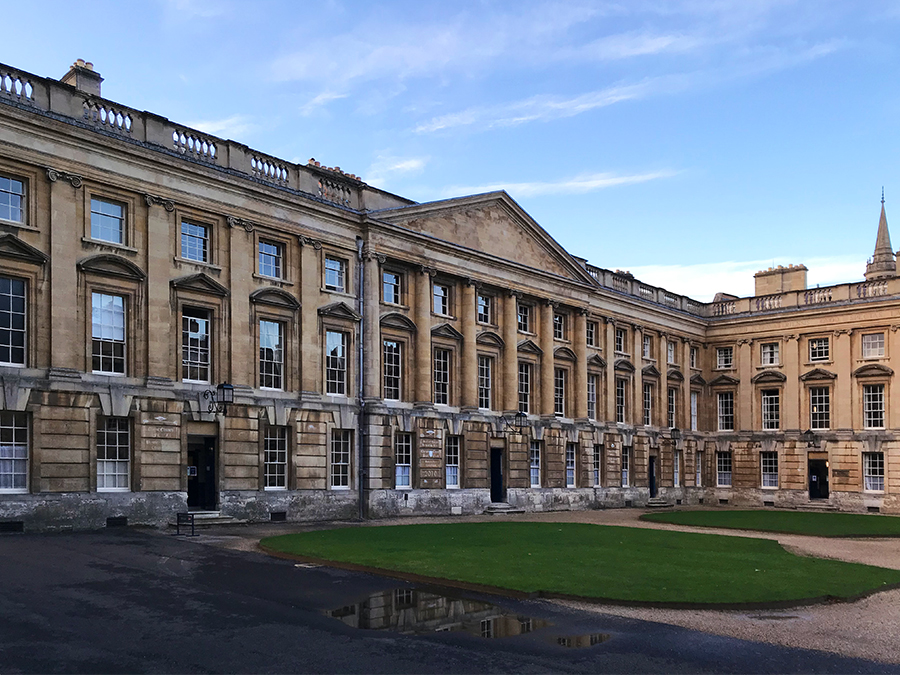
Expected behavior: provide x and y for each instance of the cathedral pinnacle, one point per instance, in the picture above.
(883, 264)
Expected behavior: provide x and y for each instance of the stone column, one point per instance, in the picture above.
(745, 404)
(684, 420)
(510, 328)
(892, 338)
(163, 327)
(469, 369)
(637, 404)
(579, 342)
(311, 357)
(67, 346)
(423, 335)
(372, 325)
(845, 400)
(609, 349)
(244, 354)
(546, 342)
(792, 386)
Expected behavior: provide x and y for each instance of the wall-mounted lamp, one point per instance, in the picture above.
(810, 438)
(519, 422)
(220, 398)
(676, 433)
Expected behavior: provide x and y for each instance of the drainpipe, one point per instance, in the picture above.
(361, 426)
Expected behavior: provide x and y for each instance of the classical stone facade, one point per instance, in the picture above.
(379, 349)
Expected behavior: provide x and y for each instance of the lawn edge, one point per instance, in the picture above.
(647, 518)
(548, 595)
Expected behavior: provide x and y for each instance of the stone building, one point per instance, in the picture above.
(386, 357)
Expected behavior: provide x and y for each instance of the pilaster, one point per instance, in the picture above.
(310, 341)
(510, 327)
(546, 343)
(579, 342)
(67, 347)
(469, 352)
(423, 335)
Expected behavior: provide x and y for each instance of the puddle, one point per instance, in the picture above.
(417, 612)
(579, 641)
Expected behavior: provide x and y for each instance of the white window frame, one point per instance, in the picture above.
(271, 260)
(671, 407)
(9, 197)
(442, 358)
(671, 353)
(621, 399)
(196, 345)
(621, 337)
(873, 471)
(393, 281)
(770, 354)
(526, 373)
(819, 349)
(598, 465)
(103, 218)
(336, 371)
(392, 369)
(559, 326)
(590, 333)
(626, 466)
(819, 408)
(560, 375)
(676, 468)
(340, 454)
(452, 456)
(648, 404)
(593, 382)
(485, 382)
(770, 406)
(523, 317)
(695, 410)
(534, 464)
(725, 410)
(113, 456)
(440, 294)
(275, 457)
(108, 334)
(768, 464)
(484, 308)
(694, 353)
(724, 469)
(873, 345)
(14, 292)
(271, 355)
(403, 457)
(724, 358)
(571, 454)
(646, 347)
(195, 245)
(873, 406)
(15, 451)
(698, 468)
(335, 274)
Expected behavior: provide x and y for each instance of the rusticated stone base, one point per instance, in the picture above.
(297, 505)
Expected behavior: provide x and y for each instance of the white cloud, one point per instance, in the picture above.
(576, 185)
(234, 127)
(320, 101)
(385, 168)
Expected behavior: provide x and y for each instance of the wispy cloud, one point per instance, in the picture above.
(320, 101)
(386, 168)
(198, 9)
(235, 126)
(577, 185)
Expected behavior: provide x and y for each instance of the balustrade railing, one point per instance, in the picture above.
(724, 308)
(871, 289)
(16, 86)
(334, 191)
(817, 296)
(768, 302)
(106, 116)
(189, 142)
(270, 169)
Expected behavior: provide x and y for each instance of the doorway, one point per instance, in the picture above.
(651, 475)
(201, 468)
(498, 493)
(818, 479)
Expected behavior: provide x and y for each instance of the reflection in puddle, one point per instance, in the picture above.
(415, 612)
(579, 641)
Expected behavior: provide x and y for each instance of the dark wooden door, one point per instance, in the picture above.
(498, 493)
(202, 493)
(651, 475)
(818, 479)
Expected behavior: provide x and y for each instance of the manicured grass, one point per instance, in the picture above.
(615, 563)
(791, 522)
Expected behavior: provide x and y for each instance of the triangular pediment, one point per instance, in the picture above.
(528, 347)
(339, 310)
(109, 265)
(274, 297)
(698, 380)
(769, 376)
(13, 247)
(873, 370)
(675, 374)
(649, 371)
(722, 380)
(818, 374)
(596, 361)
(564, 353)
(200, 283)
(492, 224)
(624, 365)
(489, 338)
(398, 321)
(447, 331)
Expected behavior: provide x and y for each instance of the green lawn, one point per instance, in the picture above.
(792, 522)
(615, 563)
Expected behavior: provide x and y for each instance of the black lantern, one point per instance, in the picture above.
(810, 438)
(220, 398)
(519, 422)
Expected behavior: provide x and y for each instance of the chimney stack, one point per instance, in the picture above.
(83, 77)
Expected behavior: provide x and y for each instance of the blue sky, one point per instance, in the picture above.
(691, 142)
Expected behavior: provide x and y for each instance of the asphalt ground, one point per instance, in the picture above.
(129, 601)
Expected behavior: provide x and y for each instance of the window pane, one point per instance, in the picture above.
(107, 333)
(113, 453)
(12, 193)
(194, 242)
(271, 354)
(107, 221)
(195, 345)
(275, 460)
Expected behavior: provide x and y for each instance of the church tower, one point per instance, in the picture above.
(882, 265)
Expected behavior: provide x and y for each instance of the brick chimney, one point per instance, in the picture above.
(83, 77)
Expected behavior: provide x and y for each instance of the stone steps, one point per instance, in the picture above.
(206, 519)
(500, 508)
(814, 506)
(658, 503)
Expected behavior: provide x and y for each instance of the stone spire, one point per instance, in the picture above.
(882, 265)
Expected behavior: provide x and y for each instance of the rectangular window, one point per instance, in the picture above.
(724, 357)
(647, 347)
(559, 391)
(12, 198)
(391, 287)
(441, 299)
(194, 242)
(873, 345)
(559, 327)
(107, 221)
(648, 404)
(695, 400)
(270, 259)
(485, 308)
(335, 274)
(621, 339)
(403, 461)
(570, 465)
(626, 466)
(336, 363)
(534, 463)
(13, 450)
(195, 353)
(485, 380)
(108, 334)
(771, 408)
(694, 357)
(341, 443)
(591, 334)
(726, 410)
(113, 453)
(698, 469)
(598, 465)
(873, 406)
(271, 355)
(769, 463)
(768, 354)
(523, 316)
(670, 352)
(592, 384)
(392, 370)
(621, 390)
(275, 458)
(672, 407)
(524, 387)
(12, 321)
(442, 376)
(676, 468)
(873, 471)
(723, 469)
(819, 349)
(819, 408)
(451, 450)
